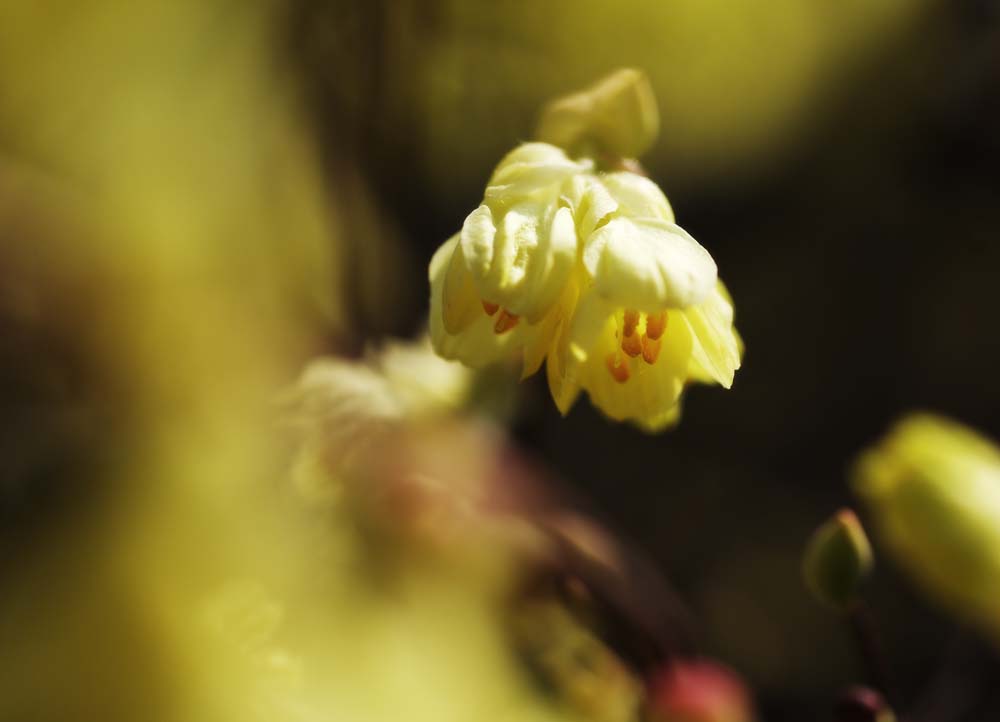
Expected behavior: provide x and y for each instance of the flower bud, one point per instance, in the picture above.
(933, 488)
(698, 691)
(616, 116)
(837, 559)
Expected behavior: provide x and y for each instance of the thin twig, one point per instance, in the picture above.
(872, 652)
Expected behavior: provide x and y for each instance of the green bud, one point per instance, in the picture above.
(933, 489)
(615, 116)
(837, 559)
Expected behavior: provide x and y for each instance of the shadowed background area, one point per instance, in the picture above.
(196, 200)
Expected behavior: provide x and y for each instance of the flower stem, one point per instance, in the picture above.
(871, 650)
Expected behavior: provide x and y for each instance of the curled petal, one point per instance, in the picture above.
(597, 199)
(523, 262)
(478, 240)
(648, 264)
(591, 202)
(477, 343)
(474, 343)
(549, 268)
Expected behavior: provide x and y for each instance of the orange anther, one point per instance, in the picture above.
(618, 368)
(631, 321)
(490, 308)
(632, 345)
(656, 324)
(650, 349)
(505, 322)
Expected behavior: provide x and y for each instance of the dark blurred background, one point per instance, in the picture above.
(839, 160)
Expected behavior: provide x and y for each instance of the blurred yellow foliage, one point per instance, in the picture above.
(197, 588)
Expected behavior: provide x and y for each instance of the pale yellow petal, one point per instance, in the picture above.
(551, 331)
(517, 244)
(456, 295)
(538, 339)
(531, 172)
(590, 201)
(716, 350)
(436, 272)
(478, 243)
(648, 265)
(637, 196)
(478, 346)
(595, 199)
(523, 260)
(527, 156)
(588, 325)
(564, 390)
(549, 268)
(535, 351)
(475, 344)
(650, 396)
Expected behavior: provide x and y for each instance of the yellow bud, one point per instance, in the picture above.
(617, 115)
(837, 559)
(933, 488)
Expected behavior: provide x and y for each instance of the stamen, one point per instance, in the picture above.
(650, 349)
(656, 324)
(505, 322)
(631, 321)
(619, 371)
(490, 308)
(632, 345)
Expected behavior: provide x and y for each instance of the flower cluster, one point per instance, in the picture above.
(584, 269)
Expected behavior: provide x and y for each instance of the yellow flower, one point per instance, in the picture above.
(933, 488)
(497, 287)
(651, 313)
(586, 268)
